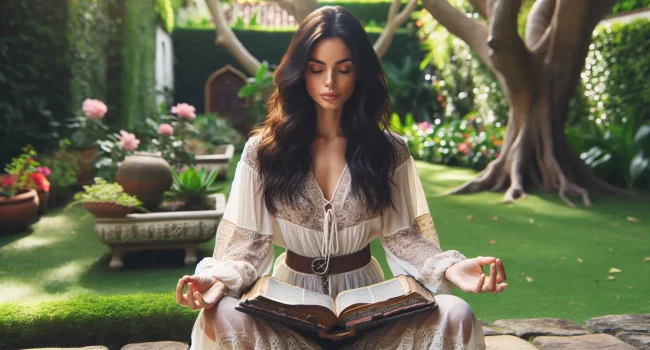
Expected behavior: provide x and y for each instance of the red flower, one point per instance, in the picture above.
(8, 181)
(40, 181)
(464, 148)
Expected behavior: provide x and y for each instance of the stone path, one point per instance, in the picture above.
(615, 332)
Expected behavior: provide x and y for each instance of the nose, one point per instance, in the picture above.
(329, 82)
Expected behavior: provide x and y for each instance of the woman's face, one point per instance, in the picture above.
(330, 73)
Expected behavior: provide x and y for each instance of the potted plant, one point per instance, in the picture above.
(192, 189)
(107, 200)
(63, 172)
(88, 128)
(19, 202)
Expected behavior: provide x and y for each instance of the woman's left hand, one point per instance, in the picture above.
(468, 275)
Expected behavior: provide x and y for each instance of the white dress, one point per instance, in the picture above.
(244, 251)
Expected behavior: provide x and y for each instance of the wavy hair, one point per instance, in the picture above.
(290, 126)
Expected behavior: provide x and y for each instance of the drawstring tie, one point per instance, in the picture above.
(329, 246)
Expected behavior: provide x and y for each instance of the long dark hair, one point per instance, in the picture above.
(290, 126)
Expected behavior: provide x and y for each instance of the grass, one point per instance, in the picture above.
(540, 238)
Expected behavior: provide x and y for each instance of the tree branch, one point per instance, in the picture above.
(299, 9)
(228, 39)
(508, 52)
(395, 20)
(481, 6)
(471, 31)
(539, 20)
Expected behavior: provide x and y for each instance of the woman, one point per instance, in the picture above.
(323, 178)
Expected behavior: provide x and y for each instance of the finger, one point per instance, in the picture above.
(492, 281)
(502, 271)
(190, 297)
(179, 293)
(485, 260)
(479, 285)
(200, 302)
(214, 294)
(500, 288)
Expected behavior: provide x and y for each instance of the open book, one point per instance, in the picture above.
(351, 312)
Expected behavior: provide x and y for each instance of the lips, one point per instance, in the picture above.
(330, 96)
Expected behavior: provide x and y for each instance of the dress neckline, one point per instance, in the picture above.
(336, 188)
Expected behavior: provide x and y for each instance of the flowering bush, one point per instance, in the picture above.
(467, 141)
(24, 173)
(88, 127)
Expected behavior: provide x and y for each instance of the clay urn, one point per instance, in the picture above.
(17, 213)
(146, 176)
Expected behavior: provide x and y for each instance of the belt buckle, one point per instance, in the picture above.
(318, 266)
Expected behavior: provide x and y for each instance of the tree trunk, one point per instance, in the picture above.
(536, 155)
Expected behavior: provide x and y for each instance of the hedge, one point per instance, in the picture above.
(367, 12)
(112, 321)
(197, 56)
(629, 5)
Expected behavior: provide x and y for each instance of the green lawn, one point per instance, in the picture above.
(566, 254)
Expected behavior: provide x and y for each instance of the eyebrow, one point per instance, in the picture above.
(337, 62)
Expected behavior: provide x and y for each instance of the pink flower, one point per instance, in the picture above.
(424, 126)
(128, 141)
(165, 129)
(184, 110)
(94, 109)
(464, 148)
(44, 170)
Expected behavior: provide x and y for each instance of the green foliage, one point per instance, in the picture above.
(20, 169)
(194, 63)
(216, 130)
(64, 169)
(34, 73)
(255, 89)
(103, 191)
(630, 5)
(165, 12)
(466, 141)
(139, 55)
(193, 187)
(113, 321)
(411, 90)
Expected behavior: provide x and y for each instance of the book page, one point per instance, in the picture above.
(292, 295)
(376, 293)
(419, 288)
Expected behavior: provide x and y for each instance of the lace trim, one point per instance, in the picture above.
(280, 342)
(240, 244)
(402, 153)
(412, 339)
(249, 155)
(424, 225)
(413, 245)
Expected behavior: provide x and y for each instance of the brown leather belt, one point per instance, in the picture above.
(338, 264)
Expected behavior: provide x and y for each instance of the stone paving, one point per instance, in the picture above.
(615, 332)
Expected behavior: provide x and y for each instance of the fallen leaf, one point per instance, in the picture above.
(647, 258)
(632, 219)
(615, 224)
(580, 260)
(614, 270)
(492, 241)
(495, 218)
(529, 279)
(563, 258)
(470, 218)
(531, 220)
(629, 287)
(611, 278)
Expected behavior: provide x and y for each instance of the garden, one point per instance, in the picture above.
(124, 123)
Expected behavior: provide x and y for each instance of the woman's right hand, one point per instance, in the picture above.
(203, 292)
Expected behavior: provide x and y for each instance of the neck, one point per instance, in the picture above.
(328, 123)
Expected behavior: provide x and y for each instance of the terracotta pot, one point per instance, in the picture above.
(18, 212)
(43, 199)
(84, 159)
(108, 209)
(146, 176)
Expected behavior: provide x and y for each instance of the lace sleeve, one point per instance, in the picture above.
(409, 236)
(243, 249)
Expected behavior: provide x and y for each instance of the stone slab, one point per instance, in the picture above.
(582, 342)
(533, 327)
(507, 342)
(639, 340)
(93, 347)
(615, 323)
(159, 345)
